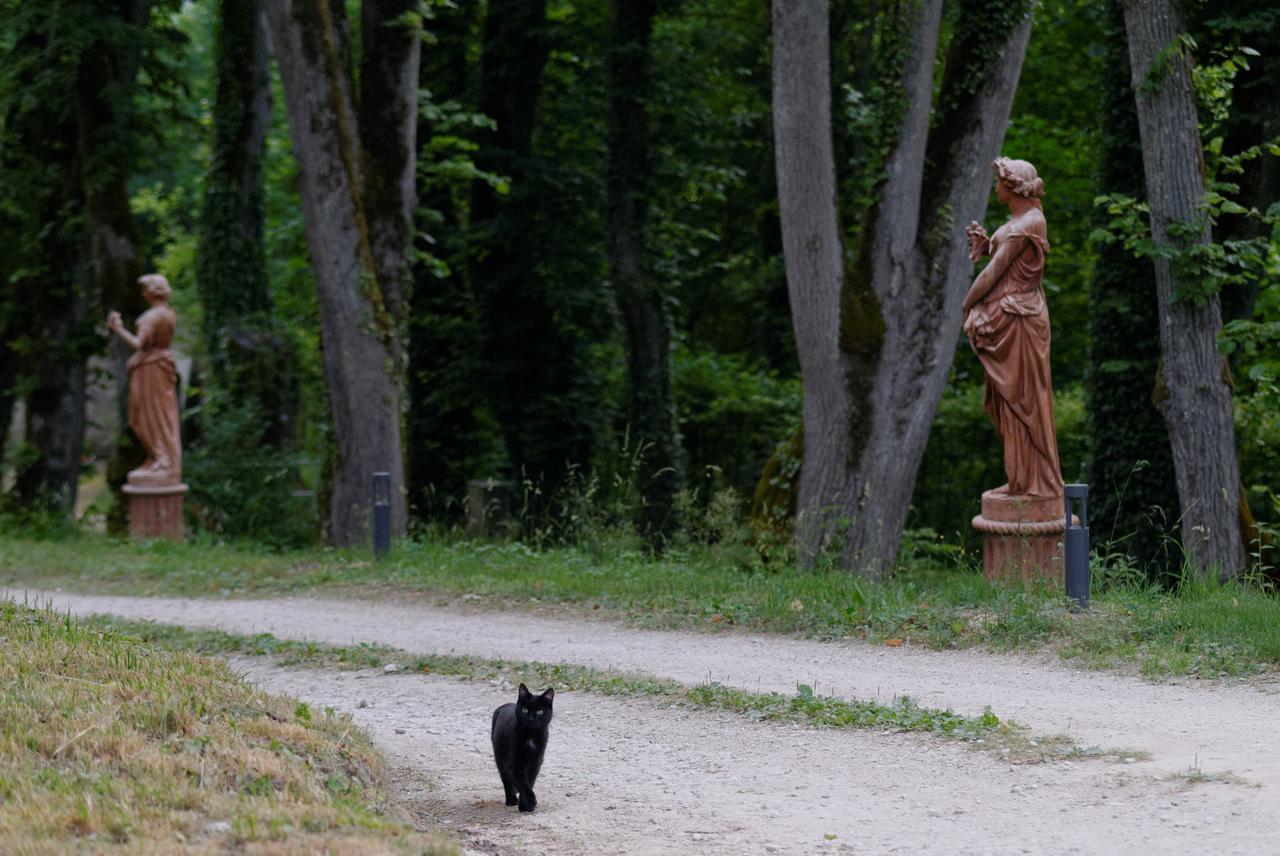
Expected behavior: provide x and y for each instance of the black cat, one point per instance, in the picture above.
(519, 735)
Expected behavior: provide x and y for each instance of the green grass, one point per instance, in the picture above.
(1204, 630)
(902, 714)
(108, 743)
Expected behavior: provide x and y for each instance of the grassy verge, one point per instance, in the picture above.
(108, 743)
(1207, 631)
(987, 731)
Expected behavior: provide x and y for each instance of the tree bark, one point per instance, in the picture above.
(876, 340)
(1138, 504)
(652, 416)
(1194, 387)
(390, 56)
(106, 78)
(357, 330)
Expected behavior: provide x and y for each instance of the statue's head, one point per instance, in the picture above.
(1017, 177)
(154, 287)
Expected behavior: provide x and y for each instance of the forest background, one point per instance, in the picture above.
(519, 325)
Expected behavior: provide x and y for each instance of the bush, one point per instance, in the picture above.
(243, 488)
(731, 418)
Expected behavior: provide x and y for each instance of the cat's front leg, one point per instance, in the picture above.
(528, 802)
(509, 790)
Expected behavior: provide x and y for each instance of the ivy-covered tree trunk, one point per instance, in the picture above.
(251, 363)
(1194, 385)
(876, 339)
(536, 374)
(1133, 495)
(445, 392)
(358, 332)
(651, 411)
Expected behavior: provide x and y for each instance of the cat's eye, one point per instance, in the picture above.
(539, 713)
(524, 710)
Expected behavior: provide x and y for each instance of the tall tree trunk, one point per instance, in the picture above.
(445, 392)
(876, 340)
(251, 364)
(106, 79)
(1129, 501)
(390, 55)
(1194, 387)
(651, 412)
(47, 334)
(358, 331)
(536, 371)
(55, 411)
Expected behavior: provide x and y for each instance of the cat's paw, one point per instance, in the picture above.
(528, 803)
(512, 800)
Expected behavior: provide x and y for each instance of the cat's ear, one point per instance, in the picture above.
(524, 691)
(549, 694)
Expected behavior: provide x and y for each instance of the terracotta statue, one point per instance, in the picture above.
(1007, 322)
(153, 385)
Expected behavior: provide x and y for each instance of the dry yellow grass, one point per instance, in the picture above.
(107, 743)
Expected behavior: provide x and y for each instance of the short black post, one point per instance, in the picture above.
(1076, 548)
(381, 514)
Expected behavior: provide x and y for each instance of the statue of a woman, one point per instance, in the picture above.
(153, 385)
(1007, 322)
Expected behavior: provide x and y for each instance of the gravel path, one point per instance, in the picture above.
(629, 777)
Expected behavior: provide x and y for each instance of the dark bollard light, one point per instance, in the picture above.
(1076, 548)
(381, 514)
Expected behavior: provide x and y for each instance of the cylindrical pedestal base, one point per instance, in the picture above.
(1021, 537)
(489, 504)
(155, 511)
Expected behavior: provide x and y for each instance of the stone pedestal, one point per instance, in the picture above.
(1021, 537)
(489, 503)
(155, 511)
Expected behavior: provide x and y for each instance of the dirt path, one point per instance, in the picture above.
(628, 777)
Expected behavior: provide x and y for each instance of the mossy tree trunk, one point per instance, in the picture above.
(1194, 384)
(359, 332)
(1135, 503)
(651, 411)
(251, 361)
(876, 334)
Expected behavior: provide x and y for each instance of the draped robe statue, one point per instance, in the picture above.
(153, 386)
(1007, 323)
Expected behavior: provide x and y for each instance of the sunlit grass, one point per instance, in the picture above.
(111, 744)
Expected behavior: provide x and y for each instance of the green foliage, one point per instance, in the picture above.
(243, 486)
(731, 417)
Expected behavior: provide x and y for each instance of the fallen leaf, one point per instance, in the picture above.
(893, 643)
(717, 618)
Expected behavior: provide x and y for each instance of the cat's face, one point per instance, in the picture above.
(533, 709)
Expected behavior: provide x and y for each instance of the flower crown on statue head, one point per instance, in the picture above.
(1020, 176)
